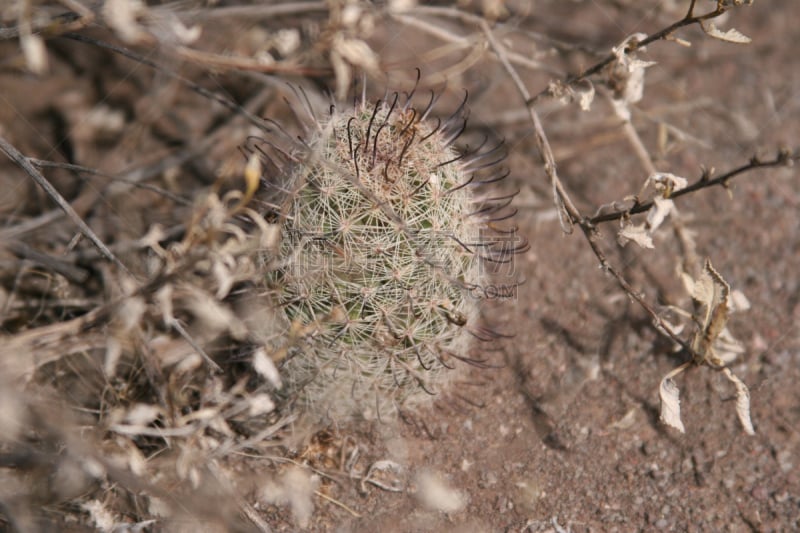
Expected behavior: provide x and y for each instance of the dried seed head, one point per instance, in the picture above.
(383, 247)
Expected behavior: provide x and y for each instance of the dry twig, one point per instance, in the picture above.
(51, 191)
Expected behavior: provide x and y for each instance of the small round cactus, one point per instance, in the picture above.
(384, 239)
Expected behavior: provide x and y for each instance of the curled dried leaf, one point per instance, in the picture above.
(731, 36)
(670, 399)
(667, 183)
(670, 402)
(726, 348)
(252, 177)
(664, 184)
(662, 208)
(742, 402)
(711, 292)
(637, 233)
(626, 73)
(713, 343)
(384, 474)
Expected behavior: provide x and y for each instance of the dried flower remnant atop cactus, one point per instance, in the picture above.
(386, 240)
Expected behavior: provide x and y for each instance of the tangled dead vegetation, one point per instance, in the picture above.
(182, 274)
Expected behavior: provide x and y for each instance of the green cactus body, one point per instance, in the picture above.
(381, 251)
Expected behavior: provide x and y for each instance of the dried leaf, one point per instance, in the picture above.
(260, 404)
(219, 424)
(662, 207)
(711, 291)
(264, 365)
(391, 480)
(102, 518)
(142, 414)
(221, 270)
(585, 98)
(667, 183)
(626, 74)
(621, 109)
(129, 313)
(357, 53)
(287, 40)
(343, 73)
(558, 90)
(112, 357)
(163, 298)
(688, 281)
(252, 177)
(742, 402)
(731, 36)
(185, 34)
(670, 402)
(636, 233)
(35, 53)
(214, 316)
(121, 16)
(726, 347)
(713, 343)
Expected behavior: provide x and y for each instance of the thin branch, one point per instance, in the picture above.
(65, 206)
(438, 31)
(783, 158)
(75, 20)
(232, 106)
(259, 11)
(638, 146)
(178, 327)
(144, 172)
(591, 234)
(338, 503)
(239, 63)
(563, 202)
(664, 33)
(68, 270)
(43, 163)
